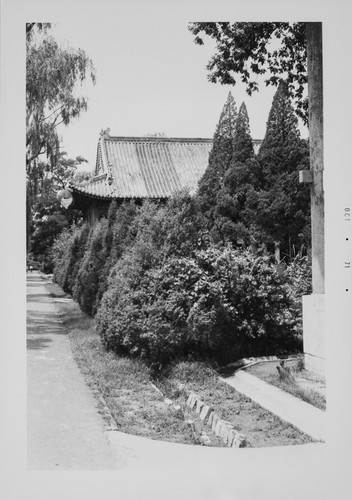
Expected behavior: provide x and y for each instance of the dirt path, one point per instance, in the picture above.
(64, 430)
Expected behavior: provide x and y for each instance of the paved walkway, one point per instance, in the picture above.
(302, 415)
(64, 430)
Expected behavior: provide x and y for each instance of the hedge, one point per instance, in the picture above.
(222, 303)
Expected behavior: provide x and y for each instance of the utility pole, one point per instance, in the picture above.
(313, 305)
(315, 93)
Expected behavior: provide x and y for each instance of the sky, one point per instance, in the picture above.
(151, 77)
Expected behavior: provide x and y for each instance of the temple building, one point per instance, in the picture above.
(139, 168)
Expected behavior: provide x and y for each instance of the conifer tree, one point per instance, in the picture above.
(220, 158)
(243, 169)
(280, 207)
(241, 176)
(243, 140)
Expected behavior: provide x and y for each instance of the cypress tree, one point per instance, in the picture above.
(89, 273)
(231, 221)
(116, 238)
(243, 140)
(220, 159)
(243, 170)
(281, 204)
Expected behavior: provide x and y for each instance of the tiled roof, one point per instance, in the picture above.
(146, 167)
(98, 187)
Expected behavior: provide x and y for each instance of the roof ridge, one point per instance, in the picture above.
(163, 139)
(157, 139)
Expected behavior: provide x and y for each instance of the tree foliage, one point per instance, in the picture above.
(251, 199)
(48, 217)
(106, 243)
(220, 158)
(231, 222)
(298, 278)
(246, 50)
(281, 206)
(88, 277)
(163, 291)
(52, 75)
(212, 305)
(67, 252)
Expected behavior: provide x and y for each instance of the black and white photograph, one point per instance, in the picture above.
(177, 275)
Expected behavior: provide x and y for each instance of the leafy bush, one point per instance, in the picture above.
(221, 303)
(67, 253)
(163, 291)
(183, 226)
(243, 305)
(88, 276)
(118, 236)
(107, 241)
(59, 247)
(298, 277)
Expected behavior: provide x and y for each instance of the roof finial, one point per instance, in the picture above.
(105, 133)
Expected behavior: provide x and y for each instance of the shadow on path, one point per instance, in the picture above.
(41, 322)
(64, 429)
(38, 343)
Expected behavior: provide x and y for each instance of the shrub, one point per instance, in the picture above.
(183, 226)
(68, 251)
(221, 303)
(151, 232)
(118, 236)
(145, 313)
(59, 247)
(88, 276)
(298, 277)
(243, 306)
(159, 233)
(163, 291)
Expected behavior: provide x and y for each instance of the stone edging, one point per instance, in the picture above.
(223, 429)
(103, 409)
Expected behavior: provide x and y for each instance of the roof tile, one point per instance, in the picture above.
(148, 167)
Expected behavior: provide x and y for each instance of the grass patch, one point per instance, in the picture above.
(304, 384)
(137, 408)
(125, 384)
(260, 427)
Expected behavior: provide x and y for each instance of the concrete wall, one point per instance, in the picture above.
(314, 332)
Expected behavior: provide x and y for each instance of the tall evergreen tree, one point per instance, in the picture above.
(243, 169)
(243, 140)
(220, 159)
(241, 176)
(280, 206)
